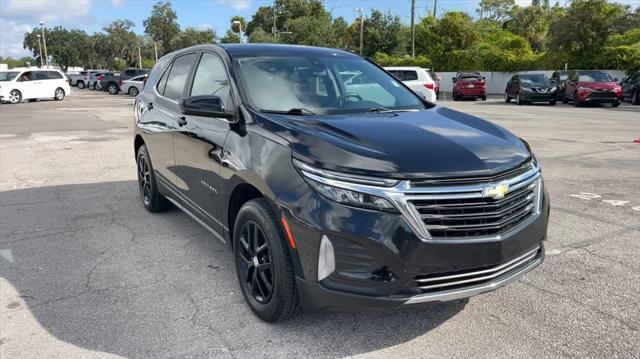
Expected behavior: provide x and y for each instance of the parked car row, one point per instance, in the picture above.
(577, 86)
(17, 85)
(129, 81)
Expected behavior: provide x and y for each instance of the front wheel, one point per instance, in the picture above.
(133, 91)
(615, 104)
(15, 97)
(59, 94)
(263, 263)
(507, 99)
(576, 100)
(635, 97)
(552, 103)
(518, 99)
(152, 199)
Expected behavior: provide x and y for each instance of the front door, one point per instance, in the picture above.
(199, 143)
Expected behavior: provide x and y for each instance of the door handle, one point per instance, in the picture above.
(150, 106)
(182, 121)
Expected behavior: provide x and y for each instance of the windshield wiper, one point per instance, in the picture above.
(294, 111)
(388, 110)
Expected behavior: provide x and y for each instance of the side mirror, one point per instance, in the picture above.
(484, 78)
(615, 79)
(204, 105)
(453, 79)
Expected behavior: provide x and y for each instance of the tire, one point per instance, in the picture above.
(456, 97)
(519, 100)
(507, 99)
(97, 87)
(635, 97)
(80, 84)
(576, 101)
(552, 103)
(152, 200)
(15, 97)
(615, 104)
(112, 88)
(133, 91)
(268, 250)
(484, 98)
(59, 94)
(565, 100)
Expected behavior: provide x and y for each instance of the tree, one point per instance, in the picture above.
(582, 31)
(532, 23)
(22, 62)
(122, 41)
(495, 10)
(162, 26)
(63, 46)
(230, 37)
(191, 37)
(382, 33)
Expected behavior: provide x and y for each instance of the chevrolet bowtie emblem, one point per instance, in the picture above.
(497, 191)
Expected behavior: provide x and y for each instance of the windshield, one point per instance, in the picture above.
(8, 75)
(594, 76)
(322, 85)
(469, 78)
(535, 80)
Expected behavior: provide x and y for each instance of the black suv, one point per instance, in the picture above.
(335, 195)
(531, 88)
(631, 88)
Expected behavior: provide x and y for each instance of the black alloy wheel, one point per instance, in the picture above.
(144, 174)
(152, 199)
(256, 266)
(113, 89)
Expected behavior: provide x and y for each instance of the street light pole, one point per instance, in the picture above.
(155, 47)
(40, 48)
(240, 31)
(361, 11)
(413, 29)
(44, 43)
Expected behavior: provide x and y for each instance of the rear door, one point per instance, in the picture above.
(199, 142)
(28, 85)
(160, 115)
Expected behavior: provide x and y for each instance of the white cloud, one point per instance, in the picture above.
(204, 26)
(236, 4)
(20, 16)
(117, 3)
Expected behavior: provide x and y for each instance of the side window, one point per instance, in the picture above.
(409, 75)
(27, 76)
(178, 76)
(211, 79)
(129, 72)
(162, 83)
(42, 75)
(54, 75)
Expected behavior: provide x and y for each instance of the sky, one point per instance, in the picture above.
(20, 16)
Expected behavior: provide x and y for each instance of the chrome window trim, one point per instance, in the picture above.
(403, 192)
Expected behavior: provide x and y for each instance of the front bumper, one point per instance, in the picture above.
(379, 260)
(538, 97)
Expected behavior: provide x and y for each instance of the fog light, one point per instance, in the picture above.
(326, 259)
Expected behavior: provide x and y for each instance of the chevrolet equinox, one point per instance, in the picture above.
(335, 186)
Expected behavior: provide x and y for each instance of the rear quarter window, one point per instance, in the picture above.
(409, 75)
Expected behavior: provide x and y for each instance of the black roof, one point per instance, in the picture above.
(269, 49)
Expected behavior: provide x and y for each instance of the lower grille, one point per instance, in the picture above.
(456, 280)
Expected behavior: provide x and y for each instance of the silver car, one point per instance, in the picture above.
(133, 86)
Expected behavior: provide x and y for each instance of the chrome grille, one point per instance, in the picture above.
(468, 212)
(447, 281)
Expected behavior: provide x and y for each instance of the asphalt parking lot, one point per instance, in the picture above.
(85, 271)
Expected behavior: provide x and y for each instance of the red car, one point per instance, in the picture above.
(469, 85)
(592, 87)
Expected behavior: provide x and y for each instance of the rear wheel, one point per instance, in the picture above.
(59, 94)
(456, 97)
(15, 96)
(80, 84)
(152, 199)
(263, 263)
(484, 98)
(112, 88)
(133, 91)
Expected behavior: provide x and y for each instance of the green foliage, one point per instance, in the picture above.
(384, 59)
(120, 64)
(495, 10)
(22, 62)
(230, 37)
(162, 26)
(191, 37)
(148, 63)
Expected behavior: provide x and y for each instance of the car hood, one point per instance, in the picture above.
(438, 142)
(598, 85)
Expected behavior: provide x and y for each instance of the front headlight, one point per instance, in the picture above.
(526, 89)
(347, 189)
(582, 88)
(554, 89)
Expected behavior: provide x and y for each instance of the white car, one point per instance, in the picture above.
(417, 79)
(31, 84)
(133, 86)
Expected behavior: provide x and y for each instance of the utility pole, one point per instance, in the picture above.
(413, 29)
(40, 47)
(435, 7)
(361, 11)
(274, 29)
(139, 58)
(155, 48)
(44, 43)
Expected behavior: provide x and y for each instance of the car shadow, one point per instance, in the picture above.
(98, 271)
